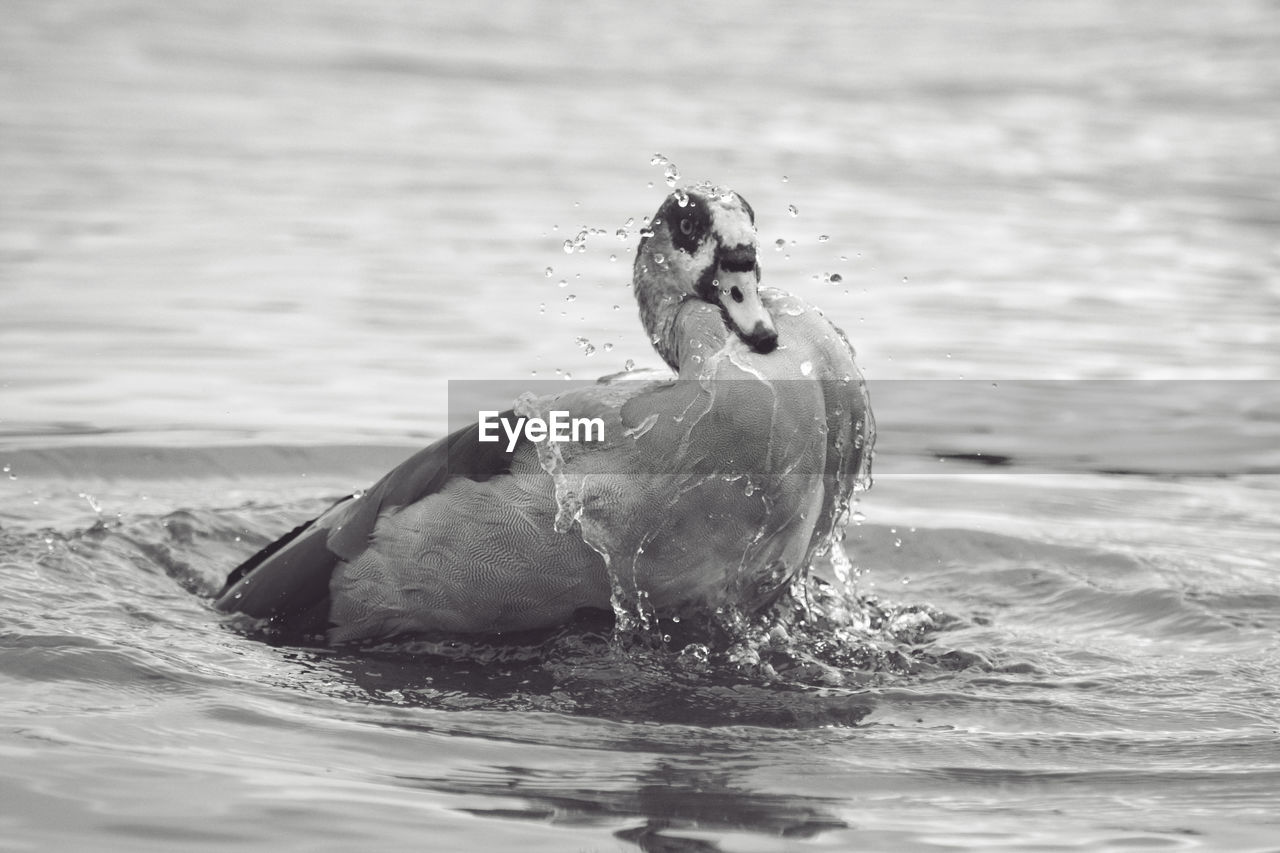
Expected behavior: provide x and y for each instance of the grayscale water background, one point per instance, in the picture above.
(244, 247)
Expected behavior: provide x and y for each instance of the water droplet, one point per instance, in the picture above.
(659, 258)
(562, 283)
(657, 160)
(629, 364)
(608, 347)
(671, 174)
(822, 238)
(785, 179)
(836, 278)
(542, 307)
(806, 367)
(793, 210)
(570, 298)
(613, 258)
(568, 247)
(682, 198)
(548, 271)
(778, 244)
(617, 307)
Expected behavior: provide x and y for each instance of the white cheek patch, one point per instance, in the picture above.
(731, 224)
(705, 256)
(692, 264)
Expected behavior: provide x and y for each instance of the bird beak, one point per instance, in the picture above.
(739, 295)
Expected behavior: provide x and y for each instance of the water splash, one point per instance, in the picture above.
(670, 172)
(578, 243)
(550, 458)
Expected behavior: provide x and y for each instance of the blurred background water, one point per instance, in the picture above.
(244, 247)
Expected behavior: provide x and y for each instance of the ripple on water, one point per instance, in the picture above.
(1020, 664)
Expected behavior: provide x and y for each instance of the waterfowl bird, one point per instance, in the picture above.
(714, 487)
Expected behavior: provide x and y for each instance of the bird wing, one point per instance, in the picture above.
(287, 582)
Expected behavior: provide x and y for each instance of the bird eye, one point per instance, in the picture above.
(686, 226)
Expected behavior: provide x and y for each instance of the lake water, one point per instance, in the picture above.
(244, 248)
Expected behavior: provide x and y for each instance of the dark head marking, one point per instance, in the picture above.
(761, 339)
(737, 258)
(688, 223)
(706, 286)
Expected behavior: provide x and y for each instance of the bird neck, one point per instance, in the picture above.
(659, 309)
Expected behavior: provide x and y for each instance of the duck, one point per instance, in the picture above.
(714, 486)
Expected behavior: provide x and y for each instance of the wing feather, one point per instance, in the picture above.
(287, 582)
